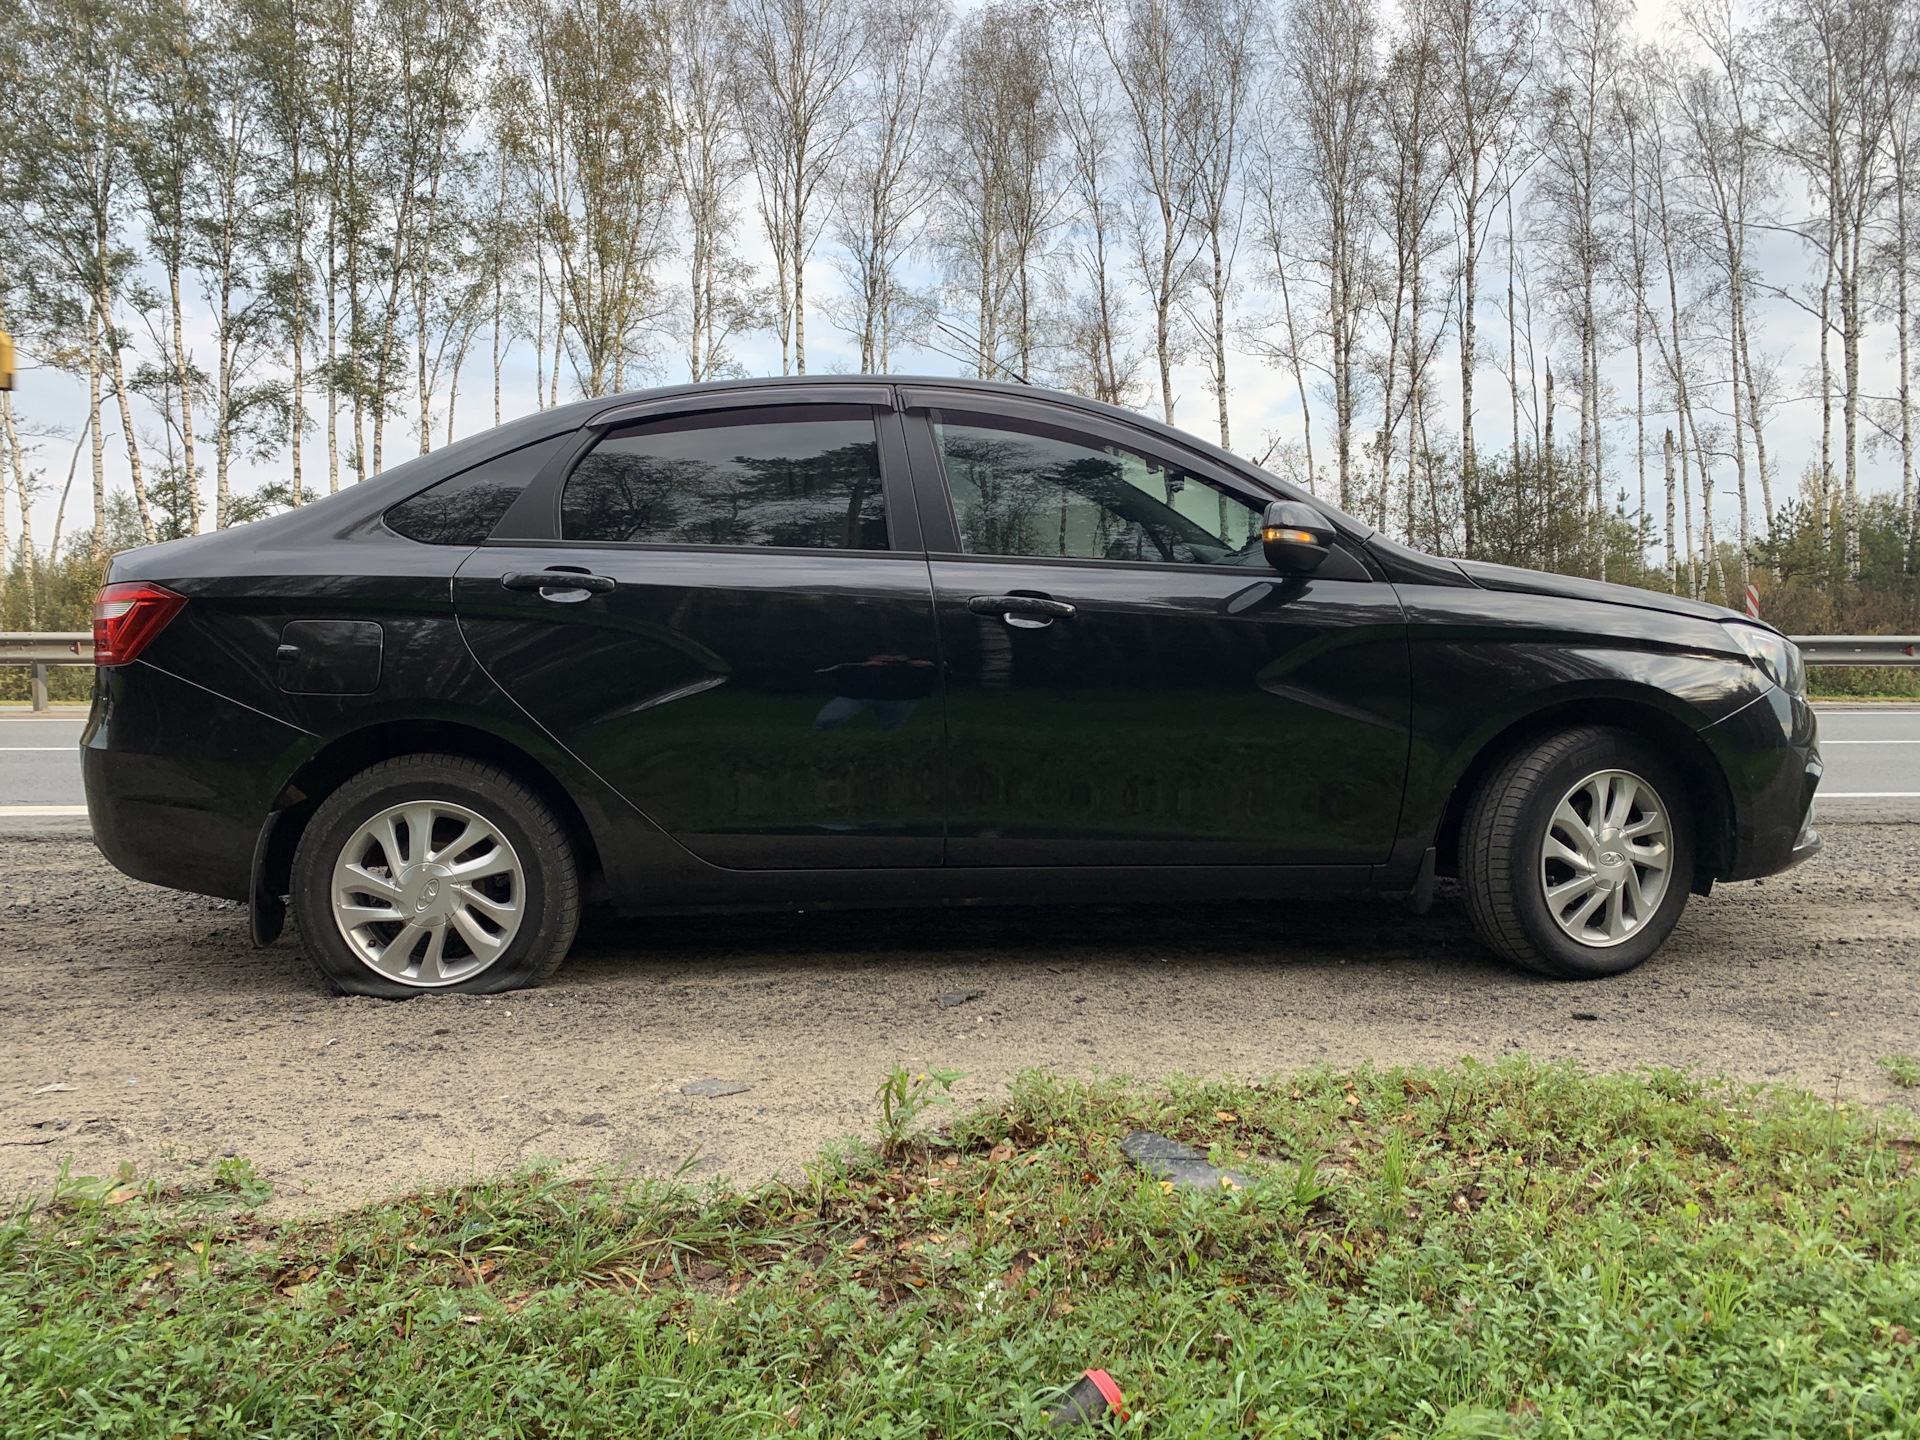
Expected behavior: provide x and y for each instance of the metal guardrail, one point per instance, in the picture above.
(1858, 649)
(41, 649)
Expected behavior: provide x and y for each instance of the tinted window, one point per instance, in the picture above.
(1021, 489)
(806, 476)
(463, 509)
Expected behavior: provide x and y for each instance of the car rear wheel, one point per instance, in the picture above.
(1576, 855)
(434, 873)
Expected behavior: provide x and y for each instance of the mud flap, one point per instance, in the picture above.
(267, 912)
(1420, 898)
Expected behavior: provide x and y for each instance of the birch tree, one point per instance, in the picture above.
(1824, 60)
(796, 62)
(709, 161)
(1329, 63)
(1486, 50)
(999, 197)
(887, 180)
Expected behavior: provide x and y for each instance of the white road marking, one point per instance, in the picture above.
(26, 749)
(1825, 743)
(1868, 795)
(6, 810)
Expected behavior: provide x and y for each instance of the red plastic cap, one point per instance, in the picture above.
(127, 616)
(1109, 1392)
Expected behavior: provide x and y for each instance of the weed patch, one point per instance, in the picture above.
(1487, 1250)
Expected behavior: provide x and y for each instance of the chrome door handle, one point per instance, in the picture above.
(1010, 605)
(560, 580)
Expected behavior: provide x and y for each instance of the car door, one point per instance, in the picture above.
(1128, 681)
(721, 605)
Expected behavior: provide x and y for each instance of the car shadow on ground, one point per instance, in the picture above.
(1342, 931)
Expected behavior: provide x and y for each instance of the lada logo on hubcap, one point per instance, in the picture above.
(1609, 858)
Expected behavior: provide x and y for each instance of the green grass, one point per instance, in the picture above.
(1514, 1249)
(1902, 1069)
(1863, 682)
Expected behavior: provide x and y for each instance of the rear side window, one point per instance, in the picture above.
(463, 509)
(800, 476)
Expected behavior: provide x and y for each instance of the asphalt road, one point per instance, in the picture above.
(1872, 754)
(40, 791)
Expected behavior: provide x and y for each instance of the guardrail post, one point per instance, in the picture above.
(38, 687)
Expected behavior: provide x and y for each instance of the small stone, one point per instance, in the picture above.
(1175, 1164)
(597, 1118)
(52, 1089)
(1584, 1015)
(714, 1089)
(947, 999)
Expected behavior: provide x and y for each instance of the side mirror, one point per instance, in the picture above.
(1295, 537)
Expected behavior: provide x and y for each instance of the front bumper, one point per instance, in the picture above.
(1770, 753)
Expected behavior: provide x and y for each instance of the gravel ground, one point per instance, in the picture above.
(169, 1043)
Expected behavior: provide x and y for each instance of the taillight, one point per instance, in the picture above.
(127, 616)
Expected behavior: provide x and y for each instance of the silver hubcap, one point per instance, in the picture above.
(428, 893)
(1606, 861)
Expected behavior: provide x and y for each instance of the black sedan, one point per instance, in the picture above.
(801, 643)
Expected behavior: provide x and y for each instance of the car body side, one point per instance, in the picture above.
(202, 767)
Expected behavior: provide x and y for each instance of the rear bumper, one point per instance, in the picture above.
(1770, 753)
(178, 779)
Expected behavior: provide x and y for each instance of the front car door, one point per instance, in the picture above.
(747, 652)
(1128, 682)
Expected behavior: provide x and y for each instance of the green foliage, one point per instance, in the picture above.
(1515, 1249)
(1878, 681)
(904, 1097)
(1903, 1070)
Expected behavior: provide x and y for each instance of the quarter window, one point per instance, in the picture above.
(1033, 489)
(805, 476)
(464, 509)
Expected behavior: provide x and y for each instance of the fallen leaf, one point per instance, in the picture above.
(1225, 1115)
(792, 1417)
(1000, 1153)
(1902, 1335)
(1352, 1099)
(858, 1245)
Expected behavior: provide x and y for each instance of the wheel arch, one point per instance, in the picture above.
(347, 755)
(1709, 798)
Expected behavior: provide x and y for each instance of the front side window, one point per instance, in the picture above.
(1023, 488)
(802, 476)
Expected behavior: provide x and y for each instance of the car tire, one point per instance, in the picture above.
(1576, 854)
(489, 902)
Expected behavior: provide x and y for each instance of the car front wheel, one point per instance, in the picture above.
(1576, 856)
(434, 872)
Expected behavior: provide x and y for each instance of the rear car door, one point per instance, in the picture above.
(1128, 681)
(721, 605)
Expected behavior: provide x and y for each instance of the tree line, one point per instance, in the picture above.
(1511, 262)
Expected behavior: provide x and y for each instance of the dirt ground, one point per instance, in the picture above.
(171, 1043)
